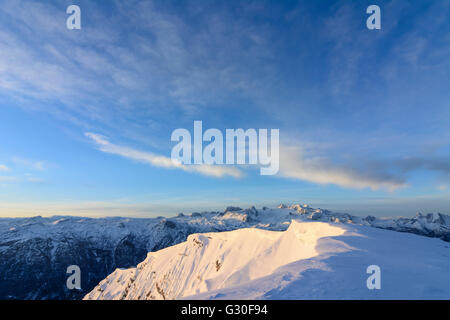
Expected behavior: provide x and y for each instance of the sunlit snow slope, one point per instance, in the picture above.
(310, 260)
(35, 252)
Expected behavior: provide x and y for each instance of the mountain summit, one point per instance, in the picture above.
(310, 260)
(35, 252)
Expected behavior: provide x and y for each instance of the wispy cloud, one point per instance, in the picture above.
(389, 174)
(8, 179)
(161, 161)
(33, 179)
(3, 168)
(35, 165)
(189, 70)
(295, 164)
(439, 164)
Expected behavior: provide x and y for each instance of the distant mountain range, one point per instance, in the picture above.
(35, 252)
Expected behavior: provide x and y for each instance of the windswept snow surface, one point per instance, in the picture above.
(310, 260)
(35, 252)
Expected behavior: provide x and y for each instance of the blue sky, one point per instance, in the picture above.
(363, 114)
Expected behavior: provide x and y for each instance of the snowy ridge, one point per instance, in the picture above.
(35, 252)
(431, 225)
(212, 261)
(309, 260)
(115, 228)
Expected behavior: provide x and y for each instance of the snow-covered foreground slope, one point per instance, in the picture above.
(35, 252)
(310, 260)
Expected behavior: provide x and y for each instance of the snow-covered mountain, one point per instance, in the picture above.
(35, 252)
(310, 260)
